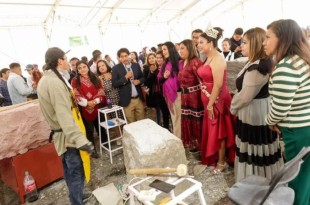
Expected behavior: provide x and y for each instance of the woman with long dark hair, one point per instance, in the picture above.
(89, 92)
(168, 77)
(289, 88)
(191, 104)
(105, 74)
(155, 97)
(218, 134)
(150, 64)
(134, 57)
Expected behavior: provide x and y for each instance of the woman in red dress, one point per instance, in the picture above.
(89, 93)
(191, 104)
(218, 134)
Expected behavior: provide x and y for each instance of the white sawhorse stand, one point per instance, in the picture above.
(117, 122)
(195, 187)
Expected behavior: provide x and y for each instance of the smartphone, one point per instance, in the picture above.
(162, 186)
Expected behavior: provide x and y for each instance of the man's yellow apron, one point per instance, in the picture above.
(84, 155)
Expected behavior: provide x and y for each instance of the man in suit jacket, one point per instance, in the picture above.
(128, 77)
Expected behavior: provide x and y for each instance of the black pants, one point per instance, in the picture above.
(161, 103)
(89, 127)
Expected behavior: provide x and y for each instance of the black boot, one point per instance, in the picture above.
(94, 154)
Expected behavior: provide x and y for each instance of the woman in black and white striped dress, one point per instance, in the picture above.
(258, 149)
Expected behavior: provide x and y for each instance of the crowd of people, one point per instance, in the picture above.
(186, 84)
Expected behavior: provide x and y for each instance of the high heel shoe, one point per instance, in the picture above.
(219, 168)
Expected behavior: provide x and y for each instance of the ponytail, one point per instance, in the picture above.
(51, 59)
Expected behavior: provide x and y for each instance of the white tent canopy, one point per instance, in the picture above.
(29, 27)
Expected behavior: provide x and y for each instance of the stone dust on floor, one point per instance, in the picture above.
(214, 187)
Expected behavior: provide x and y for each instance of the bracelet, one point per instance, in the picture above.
(210, 107)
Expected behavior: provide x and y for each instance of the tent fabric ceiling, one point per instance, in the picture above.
(34, 25)
(22, 13)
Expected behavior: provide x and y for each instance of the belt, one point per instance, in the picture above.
(185, 90)
(52, 133)
(135, 97)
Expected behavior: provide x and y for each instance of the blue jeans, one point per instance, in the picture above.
(74, 175)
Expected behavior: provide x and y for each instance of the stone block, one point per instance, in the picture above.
(148, 145)
(233, 68)
(23, 127)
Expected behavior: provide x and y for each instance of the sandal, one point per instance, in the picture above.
(219, 168)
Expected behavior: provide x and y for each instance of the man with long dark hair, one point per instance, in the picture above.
(60, 110)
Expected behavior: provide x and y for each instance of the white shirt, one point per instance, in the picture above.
(230, 56)
(134, 91)
(93, 68)
(18, 88)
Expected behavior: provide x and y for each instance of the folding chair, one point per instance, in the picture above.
(257, 190)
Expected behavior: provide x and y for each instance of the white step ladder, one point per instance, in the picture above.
(118, 120)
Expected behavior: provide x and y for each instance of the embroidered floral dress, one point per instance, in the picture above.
(90, 92)
(191, 104)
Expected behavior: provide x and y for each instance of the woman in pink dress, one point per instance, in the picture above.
(168, 78)
(218, 133)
